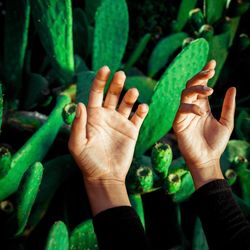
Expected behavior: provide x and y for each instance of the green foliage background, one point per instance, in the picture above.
(49, 54)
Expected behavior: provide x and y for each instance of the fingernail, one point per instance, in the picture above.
(78, 111)
(207, 88)
(205, 72)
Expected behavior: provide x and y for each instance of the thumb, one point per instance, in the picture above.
(228, 109)
(78, 138)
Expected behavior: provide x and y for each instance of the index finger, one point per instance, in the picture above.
(96, 91)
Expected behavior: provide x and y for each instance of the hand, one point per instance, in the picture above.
(201, 138)
(103, 139)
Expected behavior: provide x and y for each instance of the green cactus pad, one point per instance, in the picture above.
(140, 47)
(15, 43)
(53, 21)
(55, 173)
(90, 8)
(34, 149)
(166, 97)
(161, 158)
(1, 106)
(182, 16)
(27, 194)
(136, 203)
(5, 161)
(163, 52)
(110, 35)
(214, 10)
(199, 239)
(58, 238)
(145, 85)
(83, 237)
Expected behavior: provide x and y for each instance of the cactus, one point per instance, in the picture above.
(182, 16)
(137, 51)
(53, 20)
(163, 51)
(161, 158)
(167, 93)
(242, 126)
(214, 10)
(15, 43)
(5, 161)
(55, 173)
(34, 149)
(110, 35)
(58, 238)
(230, 176)
(196, 18)
(199, 238)
(27, 194)
(136, 203)
(83, 237)
(145, 85)
(69, 113)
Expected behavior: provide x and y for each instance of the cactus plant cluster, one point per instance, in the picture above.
(49, 55)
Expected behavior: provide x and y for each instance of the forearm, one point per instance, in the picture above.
(224, 223)
(205, 173)
(104, 195)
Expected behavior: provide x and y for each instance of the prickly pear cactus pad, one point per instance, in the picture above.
(166, 97)
(110, 35)
(53, 20)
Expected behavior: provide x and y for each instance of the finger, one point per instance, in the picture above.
(185, 109)
(190, 94)
(203, 76)
(139, 115)
(96, 92)
(228, 109)
(128, 101)
(78, 130)
(115, 90)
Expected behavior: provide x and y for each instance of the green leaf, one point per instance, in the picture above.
(243, 126)
(83, 237)
(53, 21)
(83, 83)
(214, 10)
(80, 31)
(27, 194)
(110, 35)
(183, 14)
(163, 51)
(58, 238)
(166, 97)
(145, 85)
(15, 43)
(137, 51)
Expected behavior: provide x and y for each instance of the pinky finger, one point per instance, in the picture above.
(139, 115)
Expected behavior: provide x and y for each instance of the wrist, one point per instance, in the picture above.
(105, 194)
(204, 173)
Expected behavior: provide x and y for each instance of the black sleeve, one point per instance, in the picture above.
(120, 228)
(223, 222)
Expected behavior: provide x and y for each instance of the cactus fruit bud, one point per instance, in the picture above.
(5, 161)
(187, 41)
(161, 158)
(6, 206)
(196, 18)
(206, 31)
(69, 113)
(231, 176)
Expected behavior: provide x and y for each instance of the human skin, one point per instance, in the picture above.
(103, 138)
(202, 138)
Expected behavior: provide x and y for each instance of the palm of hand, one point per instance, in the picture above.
(109, 148)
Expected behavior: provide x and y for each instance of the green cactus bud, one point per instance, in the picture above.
(173, 182)
(140, 178)
(58, 238)
(196, 18)
(161, 158)
(83, 237)
(231, 176)
(69, 113)
(244, 41)
(187, 41)
(6, 206)
(206, 31)
(5, 161)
